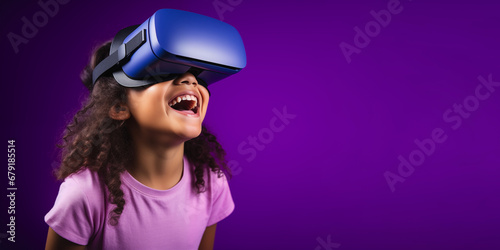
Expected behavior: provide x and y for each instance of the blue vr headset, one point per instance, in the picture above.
(173, 42)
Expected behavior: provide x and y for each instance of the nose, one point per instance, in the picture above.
(186, 78)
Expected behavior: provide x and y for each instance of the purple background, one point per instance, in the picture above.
(322, 175)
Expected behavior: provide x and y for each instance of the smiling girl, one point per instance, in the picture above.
(140, 169)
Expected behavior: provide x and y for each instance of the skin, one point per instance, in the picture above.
(159, 133)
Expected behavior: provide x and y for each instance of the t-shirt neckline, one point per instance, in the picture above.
(138, 186)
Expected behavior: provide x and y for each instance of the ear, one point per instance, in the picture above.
(119, 112)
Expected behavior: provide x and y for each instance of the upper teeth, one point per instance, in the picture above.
(184, 97)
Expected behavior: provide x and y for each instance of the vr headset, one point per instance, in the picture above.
(170, 43)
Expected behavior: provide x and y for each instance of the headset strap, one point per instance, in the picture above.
(119, 56)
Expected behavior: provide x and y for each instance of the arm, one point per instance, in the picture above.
(56, 242)
(207, 241)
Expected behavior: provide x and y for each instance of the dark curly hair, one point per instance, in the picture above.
(95, 141)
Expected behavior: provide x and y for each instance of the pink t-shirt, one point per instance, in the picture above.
(152, 219)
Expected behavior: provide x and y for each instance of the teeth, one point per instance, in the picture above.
(185, 98)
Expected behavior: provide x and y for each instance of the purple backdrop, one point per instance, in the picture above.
(355, 125)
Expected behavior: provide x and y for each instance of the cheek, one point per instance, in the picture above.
(148, 111)
(145, 108)
(204, 95)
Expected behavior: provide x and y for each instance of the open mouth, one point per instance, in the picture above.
(185, 103)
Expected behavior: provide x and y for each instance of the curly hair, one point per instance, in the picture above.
(94, 140)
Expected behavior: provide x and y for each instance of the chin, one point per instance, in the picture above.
(190, 133)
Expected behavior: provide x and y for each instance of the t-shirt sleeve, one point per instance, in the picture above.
(222, 201)
(70, 216)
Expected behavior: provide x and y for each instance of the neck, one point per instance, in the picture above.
(157, 165)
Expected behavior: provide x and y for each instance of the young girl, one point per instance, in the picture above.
(138, 173)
